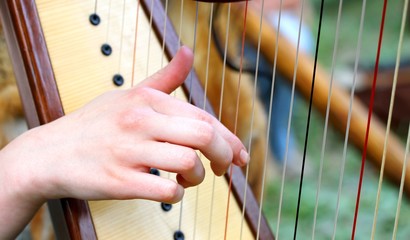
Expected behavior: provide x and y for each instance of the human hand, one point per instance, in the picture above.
(106, 149)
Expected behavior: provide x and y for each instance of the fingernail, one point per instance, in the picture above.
(244, 156)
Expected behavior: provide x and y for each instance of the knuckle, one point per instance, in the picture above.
(204, 116)
(188, 160)
(170, 192)
(141, 93)
(120, 155)
(205, 134)
(131, 118)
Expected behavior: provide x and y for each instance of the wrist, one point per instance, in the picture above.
(17, 203)
(20, 180)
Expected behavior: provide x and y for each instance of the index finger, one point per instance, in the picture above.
(168, 105)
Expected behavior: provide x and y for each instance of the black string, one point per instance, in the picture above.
(308, 120)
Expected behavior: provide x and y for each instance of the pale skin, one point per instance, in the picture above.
(105, 150)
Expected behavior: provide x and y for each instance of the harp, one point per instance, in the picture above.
(21, 13)
(43, 97)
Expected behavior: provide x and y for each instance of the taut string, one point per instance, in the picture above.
(308, 120)
(376, 70)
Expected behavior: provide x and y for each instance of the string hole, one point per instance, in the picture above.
(178, 235)
(106, 49)
(118, 80)
(95, 19)
(166, 207)
(154, 171)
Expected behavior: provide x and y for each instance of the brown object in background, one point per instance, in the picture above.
(384, 85)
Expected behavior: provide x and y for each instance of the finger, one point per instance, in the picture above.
(140, 185)
(174, 158)
(170, 106)
(173, 75)
(194, 134)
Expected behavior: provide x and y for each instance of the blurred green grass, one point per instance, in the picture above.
(349, 28)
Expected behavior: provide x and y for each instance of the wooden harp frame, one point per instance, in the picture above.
(42, 104)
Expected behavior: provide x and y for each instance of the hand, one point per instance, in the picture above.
(105, 149)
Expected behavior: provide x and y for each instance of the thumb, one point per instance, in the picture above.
(173, 75)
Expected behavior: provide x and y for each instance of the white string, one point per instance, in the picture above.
(327, 116)
(108, 21)
(359, 42)
(208, 54)
(181, 15)
(165, 32)
(252, 119)
(193, 50)
(122, 38)
(135, 44)
(269, 120)
(190, 97)
(393, 94)
(179, 42)
(220, 110)
(163, 47)
(285, 161)
(207, 76)
(403, 175)
(149, 37)
(95, 6)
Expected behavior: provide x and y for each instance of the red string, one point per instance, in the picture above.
(376, 69)
(236, 117)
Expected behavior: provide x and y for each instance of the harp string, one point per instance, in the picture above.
(285, 160)
(179, 42)
(181, 17)
(369, 117)
(308, 120)
(190, 101)
(208, 55)
(122, 36)
(193, 50)
(220, 104)
(269, 117)
(236, 115)
(391, 105)
(204, 99)
(149, 37)
(254, 94)
(175, 92)
(108, 21)
(164, 34)
(322, 153)
(403, 174)
(358, 50)
(352, 94)
(134, 55)
(95, 6)
(203, 106)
